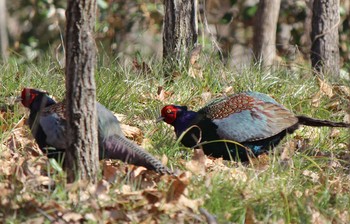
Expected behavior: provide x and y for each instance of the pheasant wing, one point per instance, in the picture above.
(53, 123)
(244, 118)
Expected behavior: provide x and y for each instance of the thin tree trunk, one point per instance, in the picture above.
(264, 41)
(82, 153)
(325, 37)
(305, 38)
(180, 31)
(3, 30)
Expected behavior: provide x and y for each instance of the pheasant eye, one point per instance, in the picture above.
(168, 111)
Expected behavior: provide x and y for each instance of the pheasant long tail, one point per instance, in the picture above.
(118, 147)
(304, 120)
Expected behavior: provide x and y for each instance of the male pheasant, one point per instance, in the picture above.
(253, 120)
(48, 125)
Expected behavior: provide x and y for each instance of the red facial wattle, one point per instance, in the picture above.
(169, 113)
(28, 96)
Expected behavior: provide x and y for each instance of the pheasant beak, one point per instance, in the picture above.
(159, 119)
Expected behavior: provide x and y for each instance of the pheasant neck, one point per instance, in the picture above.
(41, 102)
(184, 121)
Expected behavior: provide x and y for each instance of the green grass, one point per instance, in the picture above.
(313, 185)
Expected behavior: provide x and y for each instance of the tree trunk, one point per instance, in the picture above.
(325, 37)
(3, 30)
(82, 153)
(305, 38)
(264, 40)
(180, 31)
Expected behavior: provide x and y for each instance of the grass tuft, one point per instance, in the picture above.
(312, 186)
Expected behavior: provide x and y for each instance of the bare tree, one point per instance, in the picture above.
(82, 153)
(264, 41)
(180, 31)
(325, 37)
(3, 30)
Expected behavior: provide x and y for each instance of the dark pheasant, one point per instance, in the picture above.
(253, 120)
(48, 126)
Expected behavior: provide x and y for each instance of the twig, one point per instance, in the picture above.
(210, 218)
(46, 215)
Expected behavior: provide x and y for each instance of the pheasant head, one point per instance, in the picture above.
(177, 116)
(33, 98)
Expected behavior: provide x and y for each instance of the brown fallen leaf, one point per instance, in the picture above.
(138, 171)
(39, 181)
(342, 90)
(37, 220)
(334, 105)
(206, 96)
(72, 217)
(261, 162)
(185, 202)
(335, 132)
(195, 54)
(141, 67)
(228, 89)
(164, 160)
(177, 187)
(162, 95)
(318, 218)
(197, 164)
(288, 150)
(336, 93)
(102, 187)
(90, 217)
(195, 69)
(115, 214)
(313, 176)
(152, 196)
(109, 171)
(325, 87)
(132, 132)
(316, 99)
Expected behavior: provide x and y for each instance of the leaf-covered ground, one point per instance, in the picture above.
(31, 184)
(305, 180)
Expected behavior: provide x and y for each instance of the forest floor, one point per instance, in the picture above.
(306, 179)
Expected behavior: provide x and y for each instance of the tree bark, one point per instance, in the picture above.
(325, 37)
(82, 153)
(264, 40)
(3, 30)
(180, 31)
